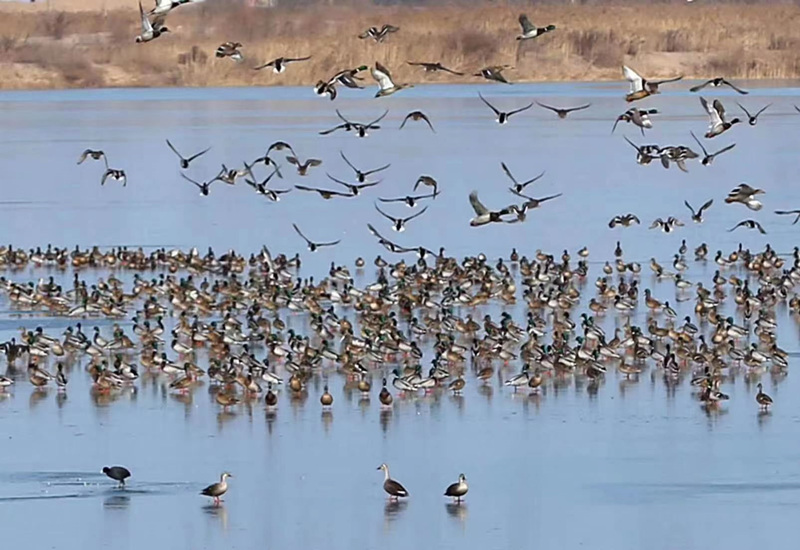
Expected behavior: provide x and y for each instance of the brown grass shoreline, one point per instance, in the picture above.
(66, 49)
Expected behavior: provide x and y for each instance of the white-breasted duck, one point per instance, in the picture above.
(625, 220)
(483, 215)
(716, 83)
(503, 117)
(518, 187)
(709, 158)
(379, 35)
(458, 489)
(386, 85)
(749, 224)
(637, 117)
(312, 246)
(495, 73)
(230, 49)
(668, 225)
(641, 87)
(529, 30)
(752, 119)
(697, 216)
(204, 187)
(151, 29)
(163, 7)
(184, 160)
(399, 224)
(744, 194)
(279, 64)
(116, 175)
(393, 488)
(716, 115)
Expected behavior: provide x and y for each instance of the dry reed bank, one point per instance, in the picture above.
(51, 49)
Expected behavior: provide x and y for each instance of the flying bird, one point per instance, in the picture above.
(716, 116)
(361, 176)
(637, 117)
(562, 113)
(312, 246)
(795, 213)
(116, 175)
(230, 49)
(355, 188)
(494, 73)
(433, 67)
(205, 187)
(716, 83)
(399, 224)
(410, 200)
(753, 119)
(324, 193)
(697, 217)
(667, 226)
(483, 215)
(641, 87)
(518, 187)
(302, 167)
(625, 220)
(645, 154)
(417, 116)
(749, 224)
(709, 158)
(503, 117)
(529, 30)
(386, 85)
(94, 155)
(379, 35)
(150, 29)
(744, 194)
(279, 64)
(163, 7)
(427, 181)
(185, 161)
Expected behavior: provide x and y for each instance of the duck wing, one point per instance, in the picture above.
(492, 107)
(477, 205)
(637, 82)
(526, 24)
(382, 76)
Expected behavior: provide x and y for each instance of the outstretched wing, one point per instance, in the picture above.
(492, 107)
(525, 23)
(637, 84)
(477, 205)
(297, 229)
(382, 76)
(700, 86)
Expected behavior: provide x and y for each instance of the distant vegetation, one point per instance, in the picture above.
(48, 49)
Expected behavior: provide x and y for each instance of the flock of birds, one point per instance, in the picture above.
(232, 307)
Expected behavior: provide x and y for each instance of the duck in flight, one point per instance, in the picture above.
(378, 35)
(716, 83)
(230, 49)
(410, 200)
(637, 117)
(529, 30)
(417, 116)
(744, 194)
(433, 67)
(303, 167)
(483, 215)
(678, 154)
(185, 161)
(312, 246)
(625, 220)
(361, 130)
(399, 224)
(354, 188)
(697, 216)
(709, 158)
(753, 119)
(150, 29)
(667, 226)
(749, 224)
(262, 188)
(518, 187)
(94, 155)
(716, 115)
(494, 73)
(427, 181)
(530, 203)
(116, 175)
(163, 7)
(645, 154)
(361, 176)
(641, 87)
(279, 64)
(795, 213)
(562, 113)
(326, 194)
(204, 187)
(503, 117)
(386, 86)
